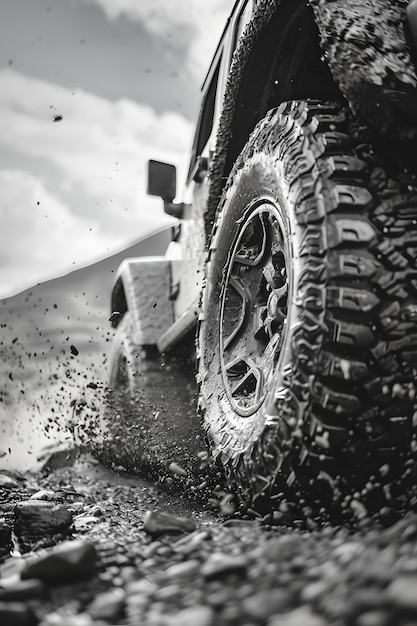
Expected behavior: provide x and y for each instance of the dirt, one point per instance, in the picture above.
(215, 571)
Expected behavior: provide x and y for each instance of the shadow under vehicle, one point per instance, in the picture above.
(293, 262)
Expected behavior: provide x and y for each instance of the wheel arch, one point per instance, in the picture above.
(279, 58)
(297, 50)
(143, 287)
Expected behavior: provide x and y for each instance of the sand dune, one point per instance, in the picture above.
(55, 341)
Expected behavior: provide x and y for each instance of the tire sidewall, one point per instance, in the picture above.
(124, 356)
(259, 180)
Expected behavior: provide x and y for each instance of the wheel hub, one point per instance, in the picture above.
(253, 308)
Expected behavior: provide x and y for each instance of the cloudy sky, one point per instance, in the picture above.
(89, 90)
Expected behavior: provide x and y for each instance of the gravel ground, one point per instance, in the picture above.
(92, 547)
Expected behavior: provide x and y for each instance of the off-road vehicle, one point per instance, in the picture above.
(294, 259)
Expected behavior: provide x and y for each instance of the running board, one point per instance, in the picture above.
(179, 329)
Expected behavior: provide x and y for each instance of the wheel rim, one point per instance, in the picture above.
(253, 309)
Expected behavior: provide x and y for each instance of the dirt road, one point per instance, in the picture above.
(119, 560)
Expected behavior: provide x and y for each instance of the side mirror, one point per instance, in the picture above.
(162, 182)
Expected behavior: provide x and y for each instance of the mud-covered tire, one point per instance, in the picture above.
(311, 392)
(124, 356)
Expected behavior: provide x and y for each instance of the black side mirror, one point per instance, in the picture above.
(162, 181)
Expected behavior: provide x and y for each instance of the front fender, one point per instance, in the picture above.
(143, 286)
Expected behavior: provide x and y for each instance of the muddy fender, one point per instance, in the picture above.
(143, 288)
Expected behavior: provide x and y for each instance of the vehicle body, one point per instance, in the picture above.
(357, 54)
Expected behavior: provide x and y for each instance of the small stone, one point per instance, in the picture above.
(219, 598)
(186, 568)
(219, 565)
(16, 614)
(12, 567)
(43, 494)
(83, 522)
(7, 482)
(67, 562)
(22, 590)
(158, 523)
(169, 592)
(366, 599)
(266, 603)
(107, 605)
(372, 618)
(143, 587)
(189, 543)
(358, 509)
(403, 592)
(177, 469)
(39, 518)
(281, 549)
(193, 616)
(313, 591)
(299, 617)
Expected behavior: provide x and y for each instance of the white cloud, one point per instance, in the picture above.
(87, 172)
(39, 231)
(199, 22)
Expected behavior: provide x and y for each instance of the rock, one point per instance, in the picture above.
(142, 587)
(12, 567)
(16, 614)
(68, 562)
(371, 618)
(186, 568)
(83, 522)
(7, 482)
(219, 565)
(368, 598)
(314, 591)
(193, 616)
(266, 603)
(36, 518)
(158, 523)
(22, 590)
(299, 617)
(403, 592)
(170, 592)
(177, 469)
(190, 543)
(17, 476)
(43, 494)
(107, 605)
(281, 549)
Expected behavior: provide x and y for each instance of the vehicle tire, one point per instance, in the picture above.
(307, 344)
